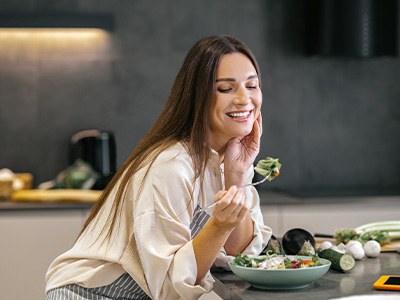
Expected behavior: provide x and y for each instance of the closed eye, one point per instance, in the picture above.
(226, 90)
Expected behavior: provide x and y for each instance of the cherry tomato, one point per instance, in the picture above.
(295, 264)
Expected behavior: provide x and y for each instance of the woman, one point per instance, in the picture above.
(151, 234)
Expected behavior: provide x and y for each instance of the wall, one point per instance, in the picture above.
(333, 122)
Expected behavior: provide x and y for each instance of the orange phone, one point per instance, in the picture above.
(388, 282)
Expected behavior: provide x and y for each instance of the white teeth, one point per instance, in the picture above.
(239, 115)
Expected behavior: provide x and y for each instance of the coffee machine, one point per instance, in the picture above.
(98, 149)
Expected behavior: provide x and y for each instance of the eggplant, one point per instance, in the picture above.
(298, 241)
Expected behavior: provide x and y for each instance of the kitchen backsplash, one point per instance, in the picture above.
(334, 123)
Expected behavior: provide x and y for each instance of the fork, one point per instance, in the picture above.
(241, 187)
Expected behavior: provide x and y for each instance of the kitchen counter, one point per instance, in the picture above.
(11, 206)
(285, 198)
(332, 285)
(266, 198)
(281, 211)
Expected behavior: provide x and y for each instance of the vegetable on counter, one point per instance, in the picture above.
(274, 246)
(341, 262)
(298, 241)
(390, 229)
(325, 245)
(382, 232)
(372, 248)
(79, 175)
(346, 235)
(355, 249)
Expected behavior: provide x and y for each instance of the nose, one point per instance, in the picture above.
(241, 96)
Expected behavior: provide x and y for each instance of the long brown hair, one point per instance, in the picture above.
(185, 117)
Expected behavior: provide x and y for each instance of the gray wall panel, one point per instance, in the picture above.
(333, 122)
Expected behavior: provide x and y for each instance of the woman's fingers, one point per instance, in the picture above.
(237, 203)
(232, 207)
(259, 121)
(220, 194)
(242, 213)
(223, 198)
(257, 127)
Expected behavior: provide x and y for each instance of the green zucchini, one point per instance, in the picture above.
(339, 261)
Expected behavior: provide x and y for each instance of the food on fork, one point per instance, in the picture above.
(268, 167)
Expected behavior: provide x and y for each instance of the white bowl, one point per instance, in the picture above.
(282, 279)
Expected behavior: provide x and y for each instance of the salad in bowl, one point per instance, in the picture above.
(279, 272)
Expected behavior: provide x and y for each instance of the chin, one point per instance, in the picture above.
(243, 134)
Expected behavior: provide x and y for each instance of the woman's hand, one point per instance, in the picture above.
(229, 216)
(241, 153)
(231, 208)
(232, 215)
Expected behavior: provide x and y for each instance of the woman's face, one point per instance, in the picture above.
(237, 99)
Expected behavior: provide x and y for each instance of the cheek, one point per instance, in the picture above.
(259, 98)
(213, 118)
(219, 106)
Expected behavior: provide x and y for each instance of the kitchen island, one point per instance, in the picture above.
(34, 233)
(332, 285)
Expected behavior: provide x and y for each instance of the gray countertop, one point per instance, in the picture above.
(7, 206)
(332, 285)
(266, 198)
(284, 198)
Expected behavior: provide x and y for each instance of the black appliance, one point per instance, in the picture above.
(351, 28)
(97, 148)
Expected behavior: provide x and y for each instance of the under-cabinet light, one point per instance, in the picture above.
(62, 21)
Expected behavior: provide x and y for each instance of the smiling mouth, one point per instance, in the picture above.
(239, 115)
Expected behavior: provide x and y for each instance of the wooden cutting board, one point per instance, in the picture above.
(391, 247)
(37, 195)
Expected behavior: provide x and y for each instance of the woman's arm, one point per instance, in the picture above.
(239, 157)
(228, 214)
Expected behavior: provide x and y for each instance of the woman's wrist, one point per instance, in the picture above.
(221, 228)
(238, 183)
(238, 178)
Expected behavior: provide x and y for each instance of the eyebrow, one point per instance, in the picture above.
(233, 79)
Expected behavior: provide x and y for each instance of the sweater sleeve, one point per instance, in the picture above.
(163, 233)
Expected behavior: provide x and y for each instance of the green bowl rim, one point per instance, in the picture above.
(325, 263)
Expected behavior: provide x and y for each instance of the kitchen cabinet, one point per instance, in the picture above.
(30, 240)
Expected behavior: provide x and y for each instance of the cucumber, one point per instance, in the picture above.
(339, 261)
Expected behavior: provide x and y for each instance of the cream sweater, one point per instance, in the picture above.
(153, 242)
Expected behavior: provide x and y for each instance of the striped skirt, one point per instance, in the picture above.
(123, 288)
